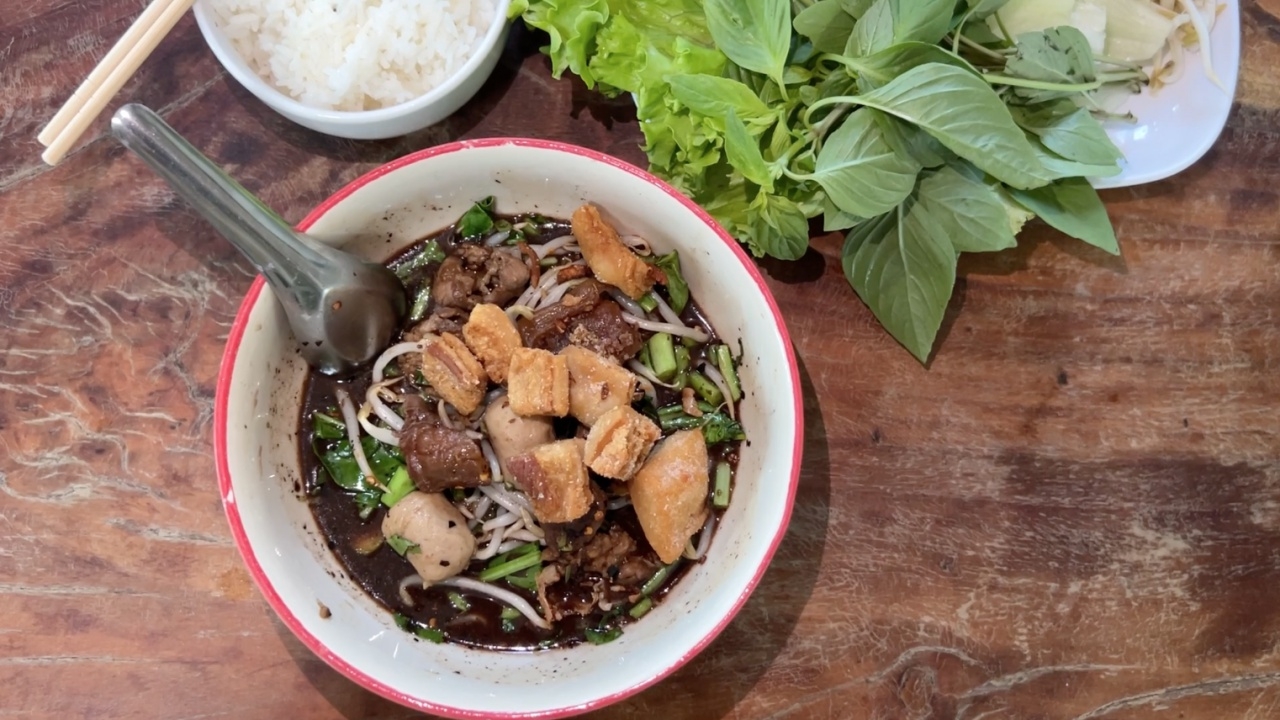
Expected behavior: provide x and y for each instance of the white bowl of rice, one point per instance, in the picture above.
(360, 69)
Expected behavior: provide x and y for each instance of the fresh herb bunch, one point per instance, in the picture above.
(912, 124)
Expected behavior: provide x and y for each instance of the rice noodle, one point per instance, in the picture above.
(405, 584)
(492, 548)
(390, 354)
(481, 509)
(497, 238)
(497, 593)
(696, 334)
(510, 545)
(558, 292)
(547, 248)
(714, 376)
(531, 526)
(443, 412)
(353, 434)
(495, 468)
(506, 498)
(503, 520)
(637, 243)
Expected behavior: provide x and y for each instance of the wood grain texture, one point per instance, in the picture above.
(1072, 514)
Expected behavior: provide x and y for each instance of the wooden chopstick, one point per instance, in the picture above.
(115, 69)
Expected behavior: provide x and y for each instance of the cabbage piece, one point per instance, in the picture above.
(1136, 29)
(1024, 16)
(1091, 20)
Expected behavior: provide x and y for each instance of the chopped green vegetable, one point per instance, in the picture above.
(682, 359)
(509, 613)
(677, 288)
(420, 302)
(458, 602)
(527, 580)
(724, 361)
(421, 630)
(478, 220)
(720, 490)
(402, 546)
(327, 426)
(706, 389)
(600, 636)
(515, 564)
(648, 303)
(399, 485)
(428, 253)
(718, 427)
(662, 357)
(639, 610)
(652, 584)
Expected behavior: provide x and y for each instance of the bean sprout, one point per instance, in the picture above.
(503, 520)
(490, 456)
(443, 412)
(704, 540)
(392, 353)
(714, 376)
(646, 375)
(353, 434)
(380, 408)
(696, 334)
(497, 593)
(631, 307)
(405, 584)
(523, 311)
(667, 313)
(510, 545)
(1202, 32)
(637, 243)
(492, 548)
(506, 498)
(497, 238)
(558, 292)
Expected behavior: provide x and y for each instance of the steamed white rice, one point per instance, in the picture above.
(355, 54)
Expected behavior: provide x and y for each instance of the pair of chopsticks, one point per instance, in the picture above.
(115, 69)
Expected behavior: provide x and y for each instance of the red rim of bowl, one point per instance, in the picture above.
(233, 512)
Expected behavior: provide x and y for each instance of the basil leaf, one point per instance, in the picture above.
(971, 213)
(833, 218)
(922, 20)
(860, 171)
(826, 24)
(677, 288)
(856, 8)
(1073, 207)
(1070, 131)
(402, 546)
(755, 34)
(883, 66)
(476, 220)
(966, 116)
(873, 32)
(743, 152)
(715, 96)
(910, 140)
(1057, 55)
(1059, 167)
(781, 228)
(904, 268)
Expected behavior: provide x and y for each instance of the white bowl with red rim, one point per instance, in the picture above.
(260, 386)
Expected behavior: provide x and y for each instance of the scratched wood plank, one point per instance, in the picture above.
(1073, 513)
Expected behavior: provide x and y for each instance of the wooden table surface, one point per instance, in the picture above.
(1073, 513)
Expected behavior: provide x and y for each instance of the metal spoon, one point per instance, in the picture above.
(343, 310)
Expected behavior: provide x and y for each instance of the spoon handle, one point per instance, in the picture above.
(263, 236)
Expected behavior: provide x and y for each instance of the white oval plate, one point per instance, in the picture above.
(1176, 126)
